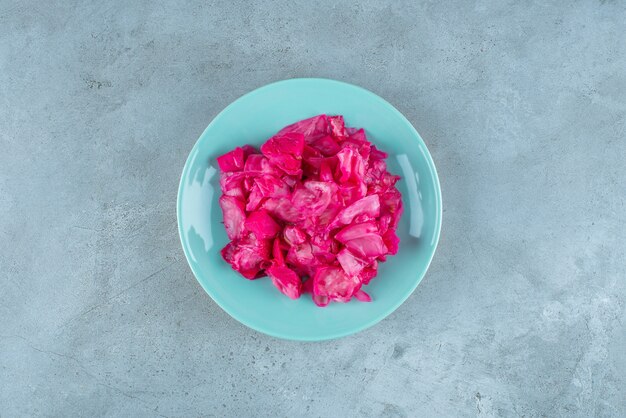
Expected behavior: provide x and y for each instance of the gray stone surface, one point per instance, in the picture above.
(523, 106)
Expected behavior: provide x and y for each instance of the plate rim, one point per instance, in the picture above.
(438, 202)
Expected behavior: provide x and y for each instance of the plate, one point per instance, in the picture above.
(252, 119)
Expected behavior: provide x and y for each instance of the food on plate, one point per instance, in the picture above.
(314, 208)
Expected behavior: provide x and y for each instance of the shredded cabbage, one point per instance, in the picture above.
(315, 210)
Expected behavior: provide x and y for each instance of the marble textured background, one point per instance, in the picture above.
(522, 104)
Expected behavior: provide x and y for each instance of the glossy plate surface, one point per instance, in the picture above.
(252, 119)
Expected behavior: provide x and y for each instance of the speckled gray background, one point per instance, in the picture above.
(523, 106)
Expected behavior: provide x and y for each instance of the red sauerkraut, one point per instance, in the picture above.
(315, 210)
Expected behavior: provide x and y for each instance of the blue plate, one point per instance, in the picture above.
(252, 119)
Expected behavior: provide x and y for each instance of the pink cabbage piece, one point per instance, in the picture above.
(249, 256)
(333, 284)
(309, 128)
(282, 208)
(351, 264)
(337, 127)
(232, 184)
(350, 166)
(231, 161)
(259, 164)
(294, 235)
(369, 272)
(286, 280)
(368, 206)
(367, 245)
(362, 296)
(311, 199)
(235, 159)
(234, 216)
(285, 152)
(262, 225)
(301, 258)
(315, 210)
